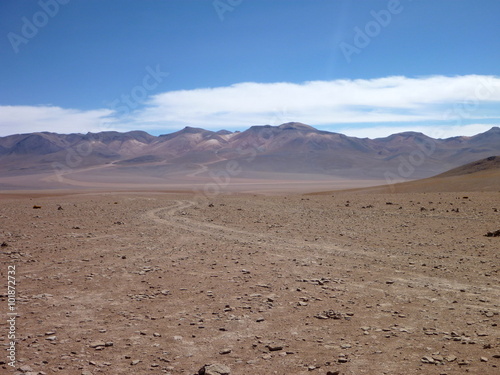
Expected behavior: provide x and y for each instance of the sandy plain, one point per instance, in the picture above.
(164, 283)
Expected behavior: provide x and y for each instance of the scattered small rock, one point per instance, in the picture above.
(96, 344)
(214, 369)
(330, 314)
(274, 347)
(25, 368)
(493, 234)
(427, 359)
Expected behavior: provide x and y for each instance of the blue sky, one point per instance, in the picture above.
(363, 68)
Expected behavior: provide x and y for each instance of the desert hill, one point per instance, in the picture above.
(481, 175)
(291, 151)
(488, 164)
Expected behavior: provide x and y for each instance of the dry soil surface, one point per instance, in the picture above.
(149, 283)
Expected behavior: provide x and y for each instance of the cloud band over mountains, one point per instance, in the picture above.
(453, 104)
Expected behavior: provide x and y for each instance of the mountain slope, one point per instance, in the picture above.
(488, 164)
(481, 175)
(291, 148)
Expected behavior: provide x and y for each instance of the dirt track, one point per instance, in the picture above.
(360, 284)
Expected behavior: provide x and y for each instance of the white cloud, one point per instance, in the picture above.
(390, 99)
(383, 106)
(27, 119)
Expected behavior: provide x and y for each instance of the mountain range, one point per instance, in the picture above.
(291, 148)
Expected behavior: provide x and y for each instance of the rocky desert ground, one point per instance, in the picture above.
(165, 283)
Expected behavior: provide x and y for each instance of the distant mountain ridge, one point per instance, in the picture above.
(288, 148)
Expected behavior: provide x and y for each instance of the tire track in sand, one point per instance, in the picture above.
(279, 246)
